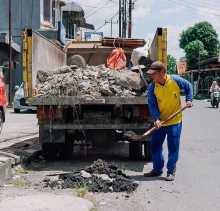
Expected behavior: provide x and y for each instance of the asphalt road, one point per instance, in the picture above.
(196, 187)
(18, 125)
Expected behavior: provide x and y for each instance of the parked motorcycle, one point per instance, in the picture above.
(215, 99)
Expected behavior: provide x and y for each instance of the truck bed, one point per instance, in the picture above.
(76, 100)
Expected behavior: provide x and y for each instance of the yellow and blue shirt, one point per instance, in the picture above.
(164, 100)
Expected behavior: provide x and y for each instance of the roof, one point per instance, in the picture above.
(75, 13)
(72, 7)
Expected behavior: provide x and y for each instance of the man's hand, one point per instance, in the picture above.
(157, 124)
(189, 104)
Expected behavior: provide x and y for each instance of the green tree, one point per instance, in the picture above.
(208, 36)
(171, 65)
(195, 52)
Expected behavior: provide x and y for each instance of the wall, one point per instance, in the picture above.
(25, 14)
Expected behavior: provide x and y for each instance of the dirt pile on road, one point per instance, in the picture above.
(99, 177)
(89, 81)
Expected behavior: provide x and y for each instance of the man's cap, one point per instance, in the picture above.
(156, 67)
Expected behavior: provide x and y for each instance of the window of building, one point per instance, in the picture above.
(49, 13)
(47, 10)
(54, 12)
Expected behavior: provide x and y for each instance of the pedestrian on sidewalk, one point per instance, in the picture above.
(164, 100)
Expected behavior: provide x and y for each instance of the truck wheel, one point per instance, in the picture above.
(77, 60)
(1, 120)
(67, 148)
(135, 151)
(16, 110)
(49, 151)
(147, 151)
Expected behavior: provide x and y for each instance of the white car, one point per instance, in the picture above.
(19, 102)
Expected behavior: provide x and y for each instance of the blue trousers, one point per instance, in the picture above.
(173, 133)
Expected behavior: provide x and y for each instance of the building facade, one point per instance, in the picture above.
(43, 16)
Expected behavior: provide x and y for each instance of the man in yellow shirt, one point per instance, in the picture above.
(164, 100)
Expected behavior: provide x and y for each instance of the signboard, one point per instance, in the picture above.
(93, 36)
(181, 67)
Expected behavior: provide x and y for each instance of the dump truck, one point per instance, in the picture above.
(66, 122)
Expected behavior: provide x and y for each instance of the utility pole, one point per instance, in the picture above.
(119, 19)
(130, 19)
(199, 77)
(124, 18)
(10, 52)
(111, 23)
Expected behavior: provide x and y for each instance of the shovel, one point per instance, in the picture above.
(132, 136)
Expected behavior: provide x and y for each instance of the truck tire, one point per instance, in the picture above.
(50, 148)
(49, 151)
(135, 151)
(66, 151)
(77, 60)
(147, 151)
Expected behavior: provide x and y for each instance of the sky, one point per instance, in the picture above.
(175, 15)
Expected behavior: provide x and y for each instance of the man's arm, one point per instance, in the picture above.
(185, 85)
(152, 103)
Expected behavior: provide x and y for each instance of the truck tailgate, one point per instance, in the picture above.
(74, 100)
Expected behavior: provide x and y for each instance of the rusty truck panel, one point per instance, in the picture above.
(39, 53)
(158, 49)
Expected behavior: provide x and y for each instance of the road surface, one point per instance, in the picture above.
(18, 125)
(196, 187)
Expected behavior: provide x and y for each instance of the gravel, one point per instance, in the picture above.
(92, 80)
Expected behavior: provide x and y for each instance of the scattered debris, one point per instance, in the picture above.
(99, 177)
(93, 81)
(19, 182)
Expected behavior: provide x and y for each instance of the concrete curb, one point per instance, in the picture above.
(15, 160)
(13, 141)
(5, 169)
(8, 160)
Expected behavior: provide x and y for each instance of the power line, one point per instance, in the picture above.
(111, 22)
(106, 22)
(98, 9)
(208, 3)
(191, 6)
(204, 6)
(95, 7)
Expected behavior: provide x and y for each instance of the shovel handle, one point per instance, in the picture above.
(163, 122)
(174, 114)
